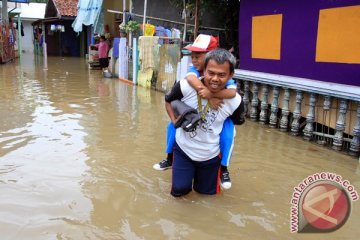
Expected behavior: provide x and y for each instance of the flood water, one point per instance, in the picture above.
(76, 156)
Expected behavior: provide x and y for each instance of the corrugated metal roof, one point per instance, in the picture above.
(66, 7)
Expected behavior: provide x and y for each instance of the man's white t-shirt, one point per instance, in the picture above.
(203, 143)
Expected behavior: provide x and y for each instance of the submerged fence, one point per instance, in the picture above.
(328, 114)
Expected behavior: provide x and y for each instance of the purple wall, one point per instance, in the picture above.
(298, 43)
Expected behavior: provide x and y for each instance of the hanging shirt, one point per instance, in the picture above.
(11, 39)
(89, 13)
(168, 33)
(160, 32)
(176, 33)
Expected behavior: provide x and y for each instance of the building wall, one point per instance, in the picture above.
(63, 43)
(164, 9)
(313, 39)
(159, 9)
(109, 18)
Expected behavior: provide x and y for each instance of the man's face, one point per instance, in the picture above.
(198, 60)
(216, 75)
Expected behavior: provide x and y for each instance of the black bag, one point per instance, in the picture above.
(189, 117)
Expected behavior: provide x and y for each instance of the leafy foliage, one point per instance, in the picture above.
(131, 26)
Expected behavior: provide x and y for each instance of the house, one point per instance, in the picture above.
(30, 13)
(59, 36)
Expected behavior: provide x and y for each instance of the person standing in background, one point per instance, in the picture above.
(103, 49)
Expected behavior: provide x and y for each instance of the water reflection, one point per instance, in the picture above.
(76, 152)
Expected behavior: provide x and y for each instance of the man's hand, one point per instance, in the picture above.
(215, 103)
(174, 120)
(205, 93)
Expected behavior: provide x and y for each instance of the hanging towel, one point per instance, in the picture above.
(149, 30)
(99, 23)
(148, 52)
(144, 78)
(88, 13)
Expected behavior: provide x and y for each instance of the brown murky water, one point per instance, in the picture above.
(76, 156)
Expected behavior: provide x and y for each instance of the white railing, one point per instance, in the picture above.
(327, 113)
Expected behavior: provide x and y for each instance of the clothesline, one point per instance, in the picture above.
(165, 20)
(170, 38)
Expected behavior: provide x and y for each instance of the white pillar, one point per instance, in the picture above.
(124, 9)
(130, 33)
(19, 37)
(135, 61)
(123, 59)
(144, 19)
(45, 56)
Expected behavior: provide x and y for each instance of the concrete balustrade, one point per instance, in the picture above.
(264, 105)
(326, 113)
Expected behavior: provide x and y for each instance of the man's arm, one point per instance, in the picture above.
(174, 94)
(170, 112)
(238, 117)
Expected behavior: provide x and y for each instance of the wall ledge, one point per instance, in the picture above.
(307, 85)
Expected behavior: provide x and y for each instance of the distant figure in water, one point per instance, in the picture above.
(103, 49)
